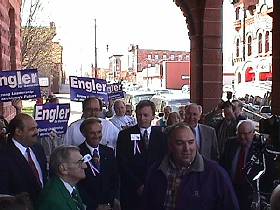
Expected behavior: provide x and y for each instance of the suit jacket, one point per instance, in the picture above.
(243, 191)
(55, 197)
(208, 142)
(16, 175)
(133, 167)
(102, 188)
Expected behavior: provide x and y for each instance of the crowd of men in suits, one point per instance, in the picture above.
(126, 163)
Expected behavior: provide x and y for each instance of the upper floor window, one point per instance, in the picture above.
(149, 56)
(164, 57)
(156, 56)
(237, 11)
(260, 43)
(172, 57)
(249, 43)
(237, 48)
(267, 41)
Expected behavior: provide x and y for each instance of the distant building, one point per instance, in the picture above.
(115, 67)
(252, 55)
(10, 43)
(156, 68)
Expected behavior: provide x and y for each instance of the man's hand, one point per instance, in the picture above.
(17, 103)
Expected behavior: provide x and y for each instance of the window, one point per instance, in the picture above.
(237, 13)
(237, 48)
(156, 56)
(266, 41)
(249, 43)
(164, 57)
(172, 57)
(249, 75)
(149, 56)
(260, 43)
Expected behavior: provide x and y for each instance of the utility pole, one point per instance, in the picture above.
(95, 49)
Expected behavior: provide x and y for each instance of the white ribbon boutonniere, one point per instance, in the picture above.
(135, 138)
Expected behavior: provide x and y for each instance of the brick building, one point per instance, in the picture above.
(10, 43)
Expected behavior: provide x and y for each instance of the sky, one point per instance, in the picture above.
(151, 24)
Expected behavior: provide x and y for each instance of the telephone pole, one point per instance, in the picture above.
(95, 50)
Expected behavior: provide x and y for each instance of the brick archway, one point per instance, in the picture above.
(204, 20)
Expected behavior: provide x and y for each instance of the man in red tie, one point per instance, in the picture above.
(238, 152)
(22, 160)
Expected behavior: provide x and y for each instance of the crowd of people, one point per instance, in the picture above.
(125, 159)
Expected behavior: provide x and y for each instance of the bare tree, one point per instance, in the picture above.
(37, 41)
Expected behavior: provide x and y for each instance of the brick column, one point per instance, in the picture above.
(275, 101)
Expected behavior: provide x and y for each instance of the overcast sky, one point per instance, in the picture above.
(152, 24)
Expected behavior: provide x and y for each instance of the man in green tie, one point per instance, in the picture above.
(67, 165)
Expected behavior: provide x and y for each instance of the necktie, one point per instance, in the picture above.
(96, 159)
(32, 165)
(239, 175)
(146, 138)
(76, 198)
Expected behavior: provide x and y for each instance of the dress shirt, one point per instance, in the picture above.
(91, 149)
(68, 187)
(22, 150)
(73, 135)
(149, 129)
(197, 135)
(236, 158)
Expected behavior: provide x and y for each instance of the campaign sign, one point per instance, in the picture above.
(52, 118)
(115, 91)
(19, 84)
(85, 87)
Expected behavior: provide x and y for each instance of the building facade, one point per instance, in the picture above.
(10, 43)
(154, 68)
(252, 55)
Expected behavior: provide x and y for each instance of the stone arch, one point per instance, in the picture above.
(204, 20)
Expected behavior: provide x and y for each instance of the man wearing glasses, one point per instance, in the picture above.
(68, 167)
(92, 107)
(238, 152)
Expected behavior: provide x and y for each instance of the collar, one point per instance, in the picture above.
(68, 187)
(196, 166)
(92, 148)
(196, 127)
(149, 129)
(21, 148)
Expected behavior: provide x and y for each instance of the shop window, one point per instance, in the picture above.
(249, 75)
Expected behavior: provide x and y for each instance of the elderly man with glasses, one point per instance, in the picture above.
(68, 167)
(238, 152)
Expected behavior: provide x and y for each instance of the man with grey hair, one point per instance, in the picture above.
(120, 119)
(68, 165)
(186, 180)
(205, 136)
(238, 152)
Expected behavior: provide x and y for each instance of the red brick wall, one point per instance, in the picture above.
(10, 42)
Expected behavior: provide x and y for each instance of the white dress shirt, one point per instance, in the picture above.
(149, 129)
(73, 135)
(22, 149)
(91, 149)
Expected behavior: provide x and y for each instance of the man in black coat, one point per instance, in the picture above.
(22, 161)
(138, 147)
(99, 188)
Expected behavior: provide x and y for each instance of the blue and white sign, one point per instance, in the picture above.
(115, 91)
(19, 84)
(85, 87)
(52, 118)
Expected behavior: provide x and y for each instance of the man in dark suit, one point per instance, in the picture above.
(99, 188)
(22, 161)
(238, 152)
(138, 147)
(60, 193)
(205, 136)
